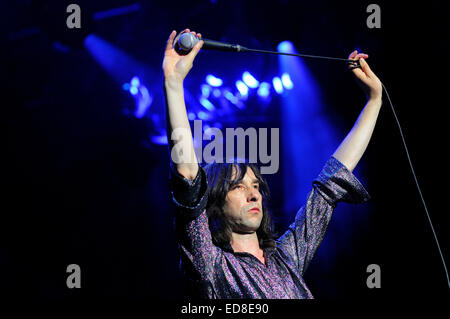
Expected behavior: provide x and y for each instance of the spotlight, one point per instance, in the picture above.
(141, 95)
(285, 46)
(277, 85)
(263, 90)
(159, 140)
(287, 82)
(207, 104)
(213, 81)
(133, 90)
(250, 80)
(206, 90)
(191, 116)
(243, 89)
(202, 115)
(230, 97)
(135, 81)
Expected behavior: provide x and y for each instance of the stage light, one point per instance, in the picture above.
(206, 90)
(141, 95)
(143, 102)
(117, 63)
(207, 104)
(285, 46)
(122, 67)
(217, 92)
(191, 116)
(135, 81)
(202, 115)
(249, 80)
(287, 82)
(234, 99)
(263, 90)
(213, 81)
(134, 90)
(159, 139)
(277, 85)
(243, 89)
(230, 97)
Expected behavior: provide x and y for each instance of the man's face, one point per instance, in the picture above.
(243, 204)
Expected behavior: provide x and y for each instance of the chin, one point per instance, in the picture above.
(254, 227)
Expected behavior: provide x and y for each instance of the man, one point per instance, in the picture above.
(222, 223)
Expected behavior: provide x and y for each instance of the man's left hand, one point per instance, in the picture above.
(365, 77)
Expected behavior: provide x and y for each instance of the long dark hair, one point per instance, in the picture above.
(220, 181)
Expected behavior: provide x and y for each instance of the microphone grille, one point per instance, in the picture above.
(187, 41)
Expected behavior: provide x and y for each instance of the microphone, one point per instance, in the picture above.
(187, 41)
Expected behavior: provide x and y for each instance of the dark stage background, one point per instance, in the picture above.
(87, 185)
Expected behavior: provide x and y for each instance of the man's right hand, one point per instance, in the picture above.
(176, 66)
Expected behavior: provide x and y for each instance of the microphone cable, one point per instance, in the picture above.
(243, 49)
(417, 184)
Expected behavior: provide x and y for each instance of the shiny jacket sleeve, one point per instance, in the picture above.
(335, 183)
(198, 253)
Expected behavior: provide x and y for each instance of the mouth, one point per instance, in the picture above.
(254, 210)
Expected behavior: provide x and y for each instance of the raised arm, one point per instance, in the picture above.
(179, 135)
(355, 143)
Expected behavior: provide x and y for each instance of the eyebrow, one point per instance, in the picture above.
(255, 181)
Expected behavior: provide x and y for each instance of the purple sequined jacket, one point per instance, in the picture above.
(218, 272)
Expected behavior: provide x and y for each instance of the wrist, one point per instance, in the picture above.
(375, 94)
(375, 99)
(173, 83)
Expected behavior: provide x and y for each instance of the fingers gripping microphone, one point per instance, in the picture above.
(187, 41)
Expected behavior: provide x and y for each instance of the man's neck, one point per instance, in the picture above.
(247, 243)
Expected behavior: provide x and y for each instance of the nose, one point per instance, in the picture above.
(253, 195)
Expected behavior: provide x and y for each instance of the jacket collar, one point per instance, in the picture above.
(228, 248)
